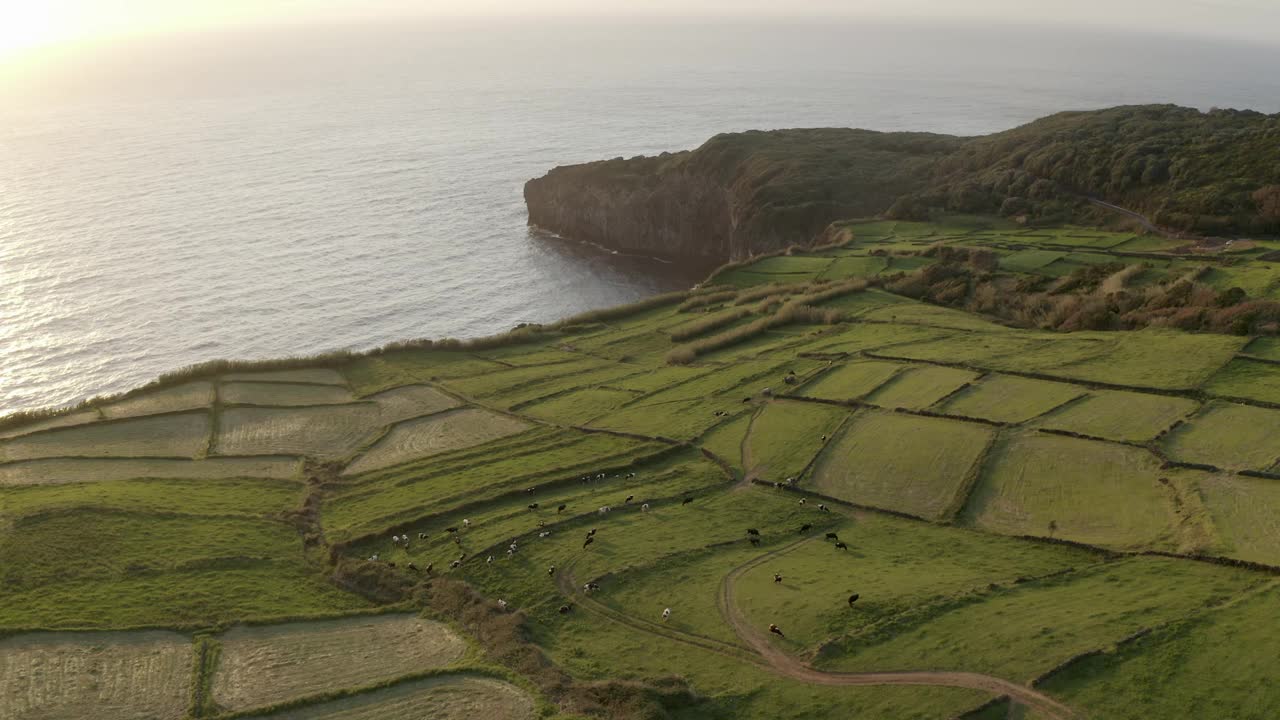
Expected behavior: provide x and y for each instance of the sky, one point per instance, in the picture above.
(29, 26)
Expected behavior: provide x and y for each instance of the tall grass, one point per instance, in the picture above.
(788, 314)
(706, 325)
(697, 301)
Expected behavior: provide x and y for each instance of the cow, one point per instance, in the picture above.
(776, 630)
(755, 541)
(551, 571)
(853, 599)
(533, 506)
(666, 614)
(629, 499)
(841, 546)
(587, 542)
(753, 531)
(561, 508)
(686, 501)
(590, 586)
(644, 507)
(777, 577)
(805, 528)
(823, 507)
(564, 609)
(502, 603)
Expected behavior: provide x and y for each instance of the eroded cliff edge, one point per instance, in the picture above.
(1215, 172)
(737, 195)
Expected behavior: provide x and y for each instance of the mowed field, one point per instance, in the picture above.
(449, 697)
(101, 675)
(495, 529)
(915, 465)
(265, 665)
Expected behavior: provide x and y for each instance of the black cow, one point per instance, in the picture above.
(588, 542)
(686, 501)
(533, 506)
(754, 541)
(564, 609)
(841, 546)
(753, 531)
(561, 508)
(853, 599)
(805, 528)
(832, 536)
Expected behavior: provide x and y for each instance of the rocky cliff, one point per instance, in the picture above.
(737, 195)
(748, 193)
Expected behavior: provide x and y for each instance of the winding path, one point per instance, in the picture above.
(787, 666)
(784, 665)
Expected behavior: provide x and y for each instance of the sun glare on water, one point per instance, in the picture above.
(26, 24)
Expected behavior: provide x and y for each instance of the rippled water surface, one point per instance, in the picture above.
(269, 194)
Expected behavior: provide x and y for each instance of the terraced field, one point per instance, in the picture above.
(262, 666)
(434, 435)
(496, 529)
(909, 464)
(448, 697)
(1099, 493)
(101, 675)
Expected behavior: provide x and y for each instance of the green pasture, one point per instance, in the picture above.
(911, 464)
(1011, 399)
(1228, 435)
(1083, 490)
(1120, 415)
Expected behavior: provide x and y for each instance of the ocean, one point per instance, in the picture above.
(279, 192)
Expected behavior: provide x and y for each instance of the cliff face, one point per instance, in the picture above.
(737, 195)
(633, 205)
(748, 193)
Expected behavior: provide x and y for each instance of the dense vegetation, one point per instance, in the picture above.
(1209, 173)
(1057, 520)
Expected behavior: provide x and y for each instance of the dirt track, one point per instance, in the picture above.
(780, 663)
(787, 666)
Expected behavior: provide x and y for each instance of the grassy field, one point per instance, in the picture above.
(1031, 627)
(265, 665)
(910, 464)
(183, 435)
(286, 394)
(851, 381)
(786, 436)
(896, 566)
(1196, 668)
(436, 434)
(189, 396)
(920, 387)
(1087, 491)
(61, 471)
(445, 697)
(115, 676)
(1005, 398)
(1246, 379)
(343, 503)
(1119, 415)
(1229, 436)
(316, 376)
(1246, 514)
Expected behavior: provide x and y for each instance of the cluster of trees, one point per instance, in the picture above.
(1095, 297)
(1215, 172)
